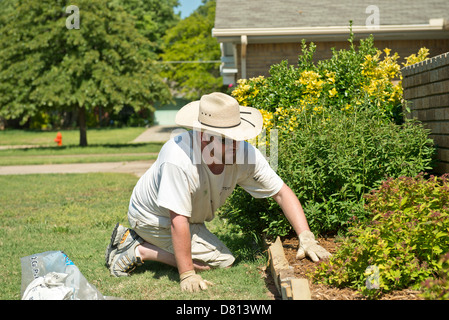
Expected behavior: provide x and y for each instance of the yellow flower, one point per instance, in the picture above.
(267, 118)
(318, 110)
(412, 59)
(332, 92)
(331, 77)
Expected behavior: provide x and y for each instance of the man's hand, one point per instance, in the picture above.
(308, 247)
(192, 282)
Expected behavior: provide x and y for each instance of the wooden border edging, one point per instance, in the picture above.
(289, 287)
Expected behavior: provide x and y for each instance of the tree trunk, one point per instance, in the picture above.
(82, 125)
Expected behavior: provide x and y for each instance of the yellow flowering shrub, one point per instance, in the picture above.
(412, 59)
(267, 119)
(247, 90)
(382, 84)
(373, 79)
(339, 130)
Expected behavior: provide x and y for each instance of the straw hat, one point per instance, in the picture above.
(220, 113)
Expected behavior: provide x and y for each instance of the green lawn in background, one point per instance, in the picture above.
(76, 213)
(105, 145)
(70, 137)
(74, 154)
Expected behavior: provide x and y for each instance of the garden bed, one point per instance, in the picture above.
(303, 268)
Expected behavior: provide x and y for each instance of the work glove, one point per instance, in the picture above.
(308, 246)
(192, 282)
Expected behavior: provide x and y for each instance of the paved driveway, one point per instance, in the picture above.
(156, 134)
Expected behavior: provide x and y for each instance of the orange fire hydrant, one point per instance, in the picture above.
(58, 139)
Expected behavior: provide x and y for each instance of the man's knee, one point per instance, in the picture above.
(224, 261)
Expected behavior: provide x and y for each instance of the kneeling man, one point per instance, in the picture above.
(194, 174)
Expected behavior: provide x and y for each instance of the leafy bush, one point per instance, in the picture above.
(253, 216)
(438, 289)
(330, 164)
(349, 79)
(403, 238)
(340, 132)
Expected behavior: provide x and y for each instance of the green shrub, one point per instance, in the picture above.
(350, 78)
(257, 217)
(438, 289)
(403, 238)
(340, 132)
(330, 164)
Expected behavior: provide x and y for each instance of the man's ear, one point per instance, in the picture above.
(207, 137)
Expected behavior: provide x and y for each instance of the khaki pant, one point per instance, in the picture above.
(206, 247)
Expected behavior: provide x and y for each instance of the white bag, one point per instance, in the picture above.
(50, 287)
(52, 275)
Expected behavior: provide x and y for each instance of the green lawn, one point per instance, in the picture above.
(76, 213)
(70, 137)
(74, 154)
(105, 145)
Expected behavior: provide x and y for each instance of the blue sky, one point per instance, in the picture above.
(186, 7)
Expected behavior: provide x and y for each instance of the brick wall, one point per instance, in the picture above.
(426, 87)
(260, 56)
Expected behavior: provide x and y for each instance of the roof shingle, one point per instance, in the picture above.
(234, 14)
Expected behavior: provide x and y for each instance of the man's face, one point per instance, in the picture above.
(219, 149)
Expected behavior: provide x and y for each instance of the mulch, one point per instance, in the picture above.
(304, 267)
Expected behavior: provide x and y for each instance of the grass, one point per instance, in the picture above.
(76, 213)
(75, 154)
(105, 145)
(69, 137)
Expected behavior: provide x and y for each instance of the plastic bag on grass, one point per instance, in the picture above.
(52, 272)
(49, 287)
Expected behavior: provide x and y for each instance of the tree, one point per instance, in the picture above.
(190, 44)
(153, 18)
(45, 66)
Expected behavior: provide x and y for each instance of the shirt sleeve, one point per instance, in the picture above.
(174, 190)
(261, 181)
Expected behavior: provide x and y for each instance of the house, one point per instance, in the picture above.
(255, 34)
(165, 114)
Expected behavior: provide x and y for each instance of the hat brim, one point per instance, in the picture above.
(250, 125)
